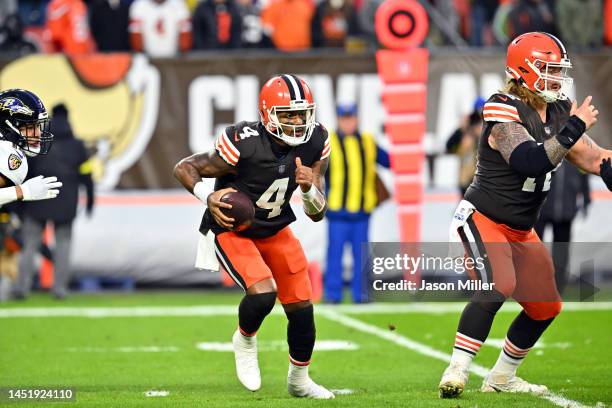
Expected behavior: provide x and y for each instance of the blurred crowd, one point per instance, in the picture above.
(578, 23)
(166, 28)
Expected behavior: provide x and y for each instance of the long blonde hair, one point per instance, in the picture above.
(529, 97)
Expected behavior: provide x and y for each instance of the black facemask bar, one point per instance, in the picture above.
(31, 144)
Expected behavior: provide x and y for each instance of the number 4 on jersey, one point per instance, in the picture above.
(277, 190)
(247, 132)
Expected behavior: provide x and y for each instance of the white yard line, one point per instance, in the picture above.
(125, 349)
(280, 345)
(424, 349)
(137, 311)
(156, 393)
(230, 310)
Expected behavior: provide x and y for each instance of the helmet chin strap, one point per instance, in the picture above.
(31, 152)
(289, 140)
(550, 96)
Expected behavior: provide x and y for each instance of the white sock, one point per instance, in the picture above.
(505, 367)
(465, 350)
(461, 358)
(247, 341)
(297, 374)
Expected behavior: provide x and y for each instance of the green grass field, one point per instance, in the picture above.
(152, 345)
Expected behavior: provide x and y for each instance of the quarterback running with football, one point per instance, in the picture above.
(267, 160)
(529, 128)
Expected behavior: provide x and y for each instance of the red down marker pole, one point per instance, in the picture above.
(401, 27)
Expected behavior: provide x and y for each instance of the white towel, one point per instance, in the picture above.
(462, 213)
(206, 258)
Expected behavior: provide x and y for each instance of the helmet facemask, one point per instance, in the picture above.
(550, 73)
(291, 134)
(33, 137)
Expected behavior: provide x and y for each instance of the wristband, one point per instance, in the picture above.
(571, 132)
(313, 200)
(201, 190)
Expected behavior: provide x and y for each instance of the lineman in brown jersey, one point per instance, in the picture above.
(499, 191)
(268, 160)
(530, 127)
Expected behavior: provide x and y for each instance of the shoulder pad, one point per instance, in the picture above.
(225, 146)
(13, 163)
(245, 130)
(501, 108)
(235, 141)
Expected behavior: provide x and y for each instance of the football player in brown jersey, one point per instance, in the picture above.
(267, 160)
(529, 128)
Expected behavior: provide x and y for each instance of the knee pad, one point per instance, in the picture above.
(542, 310)
(253, 309)
(262, 303)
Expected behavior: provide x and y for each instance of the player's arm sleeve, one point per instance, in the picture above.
(518, 148)
(8, 193)
(530, 159)
(533, 159)
(227, 149)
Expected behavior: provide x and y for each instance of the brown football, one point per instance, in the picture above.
(242, 211)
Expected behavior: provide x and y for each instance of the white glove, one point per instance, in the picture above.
(40, 188)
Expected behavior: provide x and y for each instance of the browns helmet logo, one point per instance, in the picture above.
(14, 162)
(112, 99)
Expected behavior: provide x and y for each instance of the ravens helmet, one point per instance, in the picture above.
(24, 121)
